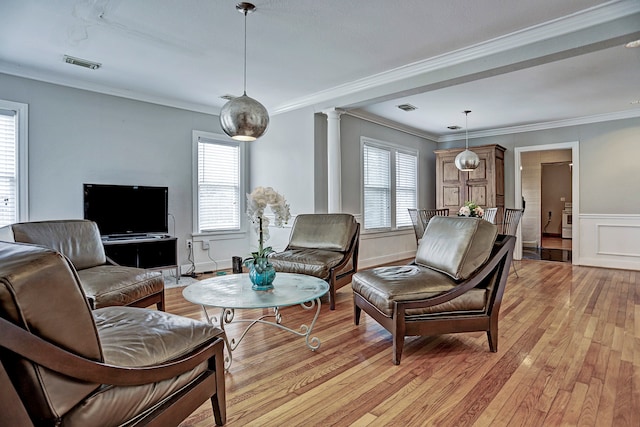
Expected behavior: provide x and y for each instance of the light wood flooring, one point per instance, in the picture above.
(555, 243)
(568, 355)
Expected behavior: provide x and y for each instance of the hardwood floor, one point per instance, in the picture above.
(555, 243)
(568, 355)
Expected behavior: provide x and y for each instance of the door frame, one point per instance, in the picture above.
(574, 146)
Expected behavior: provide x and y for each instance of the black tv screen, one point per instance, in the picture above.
(121, 210)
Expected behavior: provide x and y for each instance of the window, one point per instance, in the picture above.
(377, 187)
(406, 187)
(390, 177)
(219, 183)
(13, 162)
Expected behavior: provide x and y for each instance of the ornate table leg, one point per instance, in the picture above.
(227, 316)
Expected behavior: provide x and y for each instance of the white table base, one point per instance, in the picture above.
(227, 316)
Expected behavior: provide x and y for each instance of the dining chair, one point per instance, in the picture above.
(509, 225)
(420, 218)
(418, 225)
(490, 215)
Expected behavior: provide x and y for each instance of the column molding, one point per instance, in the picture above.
(334, 161)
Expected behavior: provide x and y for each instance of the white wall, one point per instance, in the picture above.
(608, 184)
(378, 248)
(77, 137)
(284, 159)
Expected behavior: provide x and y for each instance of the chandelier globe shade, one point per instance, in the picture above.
(467, 160)
(243, 118)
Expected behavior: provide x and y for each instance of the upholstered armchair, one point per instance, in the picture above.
(104, 282)
(455, 284)
(324, 246)
(63, 364)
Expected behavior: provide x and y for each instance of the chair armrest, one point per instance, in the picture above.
(50, 356)
(502, 254)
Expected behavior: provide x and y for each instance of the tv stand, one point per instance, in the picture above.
(154, 252)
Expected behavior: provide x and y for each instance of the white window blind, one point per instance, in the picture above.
(8, 168)
(406, 187)
(377, 187)
(219, 185)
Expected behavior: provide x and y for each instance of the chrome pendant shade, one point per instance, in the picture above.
(467, 160)
(243, 118)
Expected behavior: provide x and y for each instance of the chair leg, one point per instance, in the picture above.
(219, 400)
(398, 344)
(493, 341)
(332, 297)
(356, 313)
(160, 304)
(514, 269)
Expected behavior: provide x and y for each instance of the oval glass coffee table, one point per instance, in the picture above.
(233, 292)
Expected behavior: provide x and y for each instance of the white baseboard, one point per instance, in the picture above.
(202, 267)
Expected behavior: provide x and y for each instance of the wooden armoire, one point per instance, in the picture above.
(484, 185)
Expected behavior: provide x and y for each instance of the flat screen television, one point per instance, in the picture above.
(127, 210)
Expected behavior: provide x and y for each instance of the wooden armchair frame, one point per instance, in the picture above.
(171, 412)
(338, 276)
(400, 325)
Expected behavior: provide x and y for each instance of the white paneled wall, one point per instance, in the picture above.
(611, 241)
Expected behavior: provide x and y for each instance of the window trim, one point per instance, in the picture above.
(393, 149)
(244, 170)
(22, 156)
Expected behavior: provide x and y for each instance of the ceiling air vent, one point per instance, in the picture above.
(82, 62)
(228, 97)
(453, 127)
(407, 107)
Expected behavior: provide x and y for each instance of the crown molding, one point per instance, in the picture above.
(47, 77)
(363, 115)
(597, 118)
(578, 21)
(596, 15)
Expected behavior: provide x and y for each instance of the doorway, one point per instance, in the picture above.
(547, 226)
(548, 243)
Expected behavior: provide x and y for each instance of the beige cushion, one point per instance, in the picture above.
(456, 246)
(40, 292)
(383, 286)
(108, 285)
(312, 262)
(79, 240)
(136, 337)
(331, 232)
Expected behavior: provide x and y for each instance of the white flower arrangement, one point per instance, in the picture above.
(257, 202)
(471, 209)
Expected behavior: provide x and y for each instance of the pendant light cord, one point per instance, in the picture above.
(245, 53)
(466, 128)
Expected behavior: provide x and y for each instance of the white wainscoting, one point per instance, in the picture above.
(610, 241)
(386, 247)
(377, 248)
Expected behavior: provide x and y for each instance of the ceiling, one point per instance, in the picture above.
(517, 64)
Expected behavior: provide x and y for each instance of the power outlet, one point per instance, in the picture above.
(189, 243)
(205, 245)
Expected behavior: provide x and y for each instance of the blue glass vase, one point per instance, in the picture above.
(262, 274)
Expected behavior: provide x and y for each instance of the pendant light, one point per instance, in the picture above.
(467, 160)
(243, 118)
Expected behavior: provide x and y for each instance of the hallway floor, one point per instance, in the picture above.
(553, 249)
